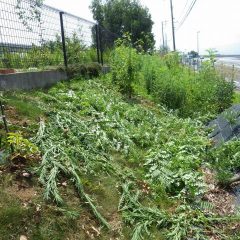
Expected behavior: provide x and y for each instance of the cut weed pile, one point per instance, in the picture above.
(116, 169)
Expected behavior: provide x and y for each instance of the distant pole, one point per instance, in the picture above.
(233, 72)
(173, 28)
(163, 34)
(198, 50)
(166, 40)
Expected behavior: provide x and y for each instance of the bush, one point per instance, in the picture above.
(180, 88)
(49, 54)
(93, 70)
(89, 70)
(125, 66)
(225, 160)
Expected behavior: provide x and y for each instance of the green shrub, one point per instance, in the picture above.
(107, 55)
(8, 60)
(180, 88)
(93, 69)
(150, 75)
(125, 66)
(225, 160)
(89, 70)
(49, 54)
(172, 60)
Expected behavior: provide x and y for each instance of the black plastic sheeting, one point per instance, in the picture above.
(236, 191)
(226, 126)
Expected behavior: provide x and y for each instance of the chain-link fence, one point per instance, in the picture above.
(39, 36)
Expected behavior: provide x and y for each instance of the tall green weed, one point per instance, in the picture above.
(180, 88)
(125, 66)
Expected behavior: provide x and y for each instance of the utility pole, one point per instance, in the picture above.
(198, 42)
(163, 34)
(198, 59)
(173, 28)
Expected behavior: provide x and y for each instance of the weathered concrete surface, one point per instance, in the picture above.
(31, 80)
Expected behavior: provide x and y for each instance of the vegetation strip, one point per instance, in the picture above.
(90, 131)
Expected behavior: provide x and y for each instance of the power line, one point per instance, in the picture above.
(187, 13)
(183, 11)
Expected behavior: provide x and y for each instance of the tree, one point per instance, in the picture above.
(125, 16)
(28, 12)
(193, 54)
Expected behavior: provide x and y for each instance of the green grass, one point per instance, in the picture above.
(236, 98)
(12, 217)
(24, 106)
(50, 222)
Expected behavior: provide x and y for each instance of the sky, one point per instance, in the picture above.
(215, 20)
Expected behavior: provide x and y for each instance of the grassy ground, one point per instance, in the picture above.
(236, 99)
(106, 158)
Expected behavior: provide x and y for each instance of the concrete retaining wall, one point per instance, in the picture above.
(106, 69)
(31, 80)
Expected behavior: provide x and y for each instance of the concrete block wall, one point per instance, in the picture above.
(30, 80)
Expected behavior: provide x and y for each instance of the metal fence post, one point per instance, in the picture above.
(233, 72)
(100, 44)
(5, 122)
(63, 40)
(97, 42)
